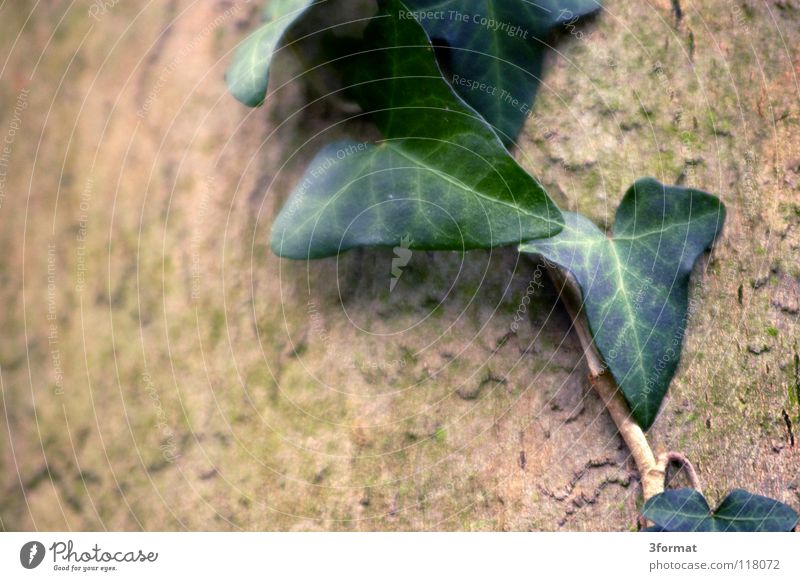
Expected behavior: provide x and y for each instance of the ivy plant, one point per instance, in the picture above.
(636, 282)
(686, 510)
(442, 176)
(248, 74)
(494, 51)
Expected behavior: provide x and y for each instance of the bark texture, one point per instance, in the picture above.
(161, 369)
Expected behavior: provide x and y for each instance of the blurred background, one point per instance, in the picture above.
(162, 370)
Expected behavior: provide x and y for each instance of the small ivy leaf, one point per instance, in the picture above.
(248, 74)
(495, 50)
(441, 176)
(686, 510)
(635, 284)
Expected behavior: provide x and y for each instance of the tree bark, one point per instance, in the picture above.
(162, 370)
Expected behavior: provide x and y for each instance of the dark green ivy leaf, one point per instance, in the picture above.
(440, 180)
(635, 284)
(686, 510)
(248, 74)
(494, 51)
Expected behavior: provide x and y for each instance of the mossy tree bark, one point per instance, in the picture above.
(161, 369)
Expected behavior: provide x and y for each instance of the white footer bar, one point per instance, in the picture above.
(397, 556)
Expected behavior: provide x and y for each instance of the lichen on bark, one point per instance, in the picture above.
(206, 387)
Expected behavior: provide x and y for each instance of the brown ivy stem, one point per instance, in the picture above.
(686, 465)
(652, 470)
